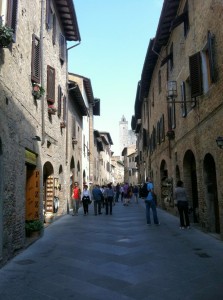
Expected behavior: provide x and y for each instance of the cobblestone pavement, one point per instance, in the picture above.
(116, 257)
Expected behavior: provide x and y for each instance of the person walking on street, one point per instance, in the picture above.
(136, 193)
(150, 203)
(76, 198)
(180, 197)
(117, 192)
(125, 194)
(85, 198)
(97, 196)
(109, 199)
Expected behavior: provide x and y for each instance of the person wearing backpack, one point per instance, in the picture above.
(150, 203)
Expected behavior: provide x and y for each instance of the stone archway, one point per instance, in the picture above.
(211, 194)
(190, 183)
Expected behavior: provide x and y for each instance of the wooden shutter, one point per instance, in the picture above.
(211, 56)
(96, 108)
(162, 129)
(64, 108)
(36, 61)
(144, 137)
(166, 59)
(59, 100)
(48, 14)
(179, 20)
(50, 84)
(62, 48)
(158, 132)
(195, 75)
(11, 21)
(183, 99)
(54, 29)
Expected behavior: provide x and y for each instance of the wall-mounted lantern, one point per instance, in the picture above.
(219, 141)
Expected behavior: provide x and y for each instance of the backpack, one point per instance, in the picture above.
(144, 191)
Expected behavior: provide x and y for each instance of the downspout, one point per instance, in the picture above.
(42, 71)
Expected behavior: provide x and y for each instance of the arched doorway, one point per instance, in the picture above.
(190, 182)
(48, 187)
(164, 186)
(211, 194)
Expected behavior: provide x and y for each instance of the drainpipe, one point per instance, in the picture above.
(42, 71)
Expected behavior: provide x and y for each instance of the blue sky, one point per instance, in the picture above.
(114, 39)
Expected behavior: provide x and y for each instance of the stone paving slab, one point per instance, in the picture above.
(116, 257)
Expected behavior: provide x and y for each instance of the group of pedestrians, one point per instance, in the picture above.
(106, 196)
(101, 197)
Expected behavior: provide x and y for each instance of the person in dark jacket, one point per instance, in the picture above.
(97, 196)
(180, 197)
(109, 199)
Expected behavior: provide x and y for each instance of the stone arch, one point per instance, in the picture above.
(211, 194)
(190, 182)
(164, 189)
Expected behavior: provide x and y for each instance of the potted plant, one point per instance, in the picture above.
(52, 109)
(6, 35)
(37, 91)
(33, 227)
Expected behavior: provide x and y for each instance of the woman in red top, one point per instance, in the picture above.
(76, 198)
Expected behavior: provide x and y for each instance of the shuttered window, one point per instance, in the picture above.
(211, 56)
(144, 137)
(59, 101)
(48, 14)
(50, 84)
(162, 129)
(64, 108)
(11, 21)
(36, 60)
(62, 48)
(183, 99)
(54, 29)
(195, 75)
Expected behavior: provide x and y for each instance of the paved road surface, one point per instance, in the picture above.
(116, 257)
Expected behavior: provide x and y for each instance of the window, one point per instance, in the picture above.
(183, 99)
(171, 116)
(49, 15)
(64, 108)
(62, 48)
(54, 29)
(36, 60)
(159, 81)
(11, 19)
(202, 68)
(162, 129)
(50, 84)
(60, 94)
(183, 18)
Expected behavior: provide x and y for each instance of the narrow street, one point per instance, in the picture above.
(116, 257)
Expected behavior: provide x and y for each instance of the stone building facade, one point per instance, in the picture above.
(33, 137)
(179, 108)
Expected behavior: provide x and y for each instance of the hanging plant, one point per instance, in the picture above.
(6, 35)
(52, 109)
(38, 91)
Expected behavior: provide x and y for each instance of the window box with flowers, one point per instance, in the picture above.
(38, 91)
(62, 124)
(52, 109)
(6, 35)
